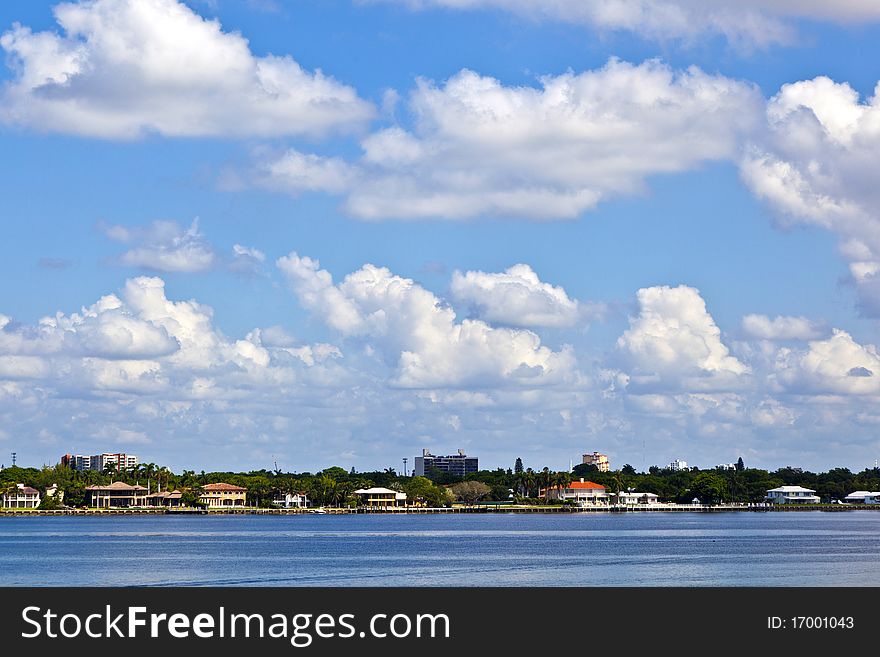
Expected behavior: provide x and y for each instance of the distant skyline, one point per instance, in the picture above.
(335, 232)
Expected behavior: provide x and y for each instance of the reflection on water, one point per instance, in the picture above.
(636, 549)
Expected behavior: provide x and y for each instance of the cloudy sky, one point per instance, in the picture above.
(335, 232)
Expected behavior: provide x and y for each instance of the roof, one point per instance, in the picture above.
(791, 489)
(581, 485)
(210, 488)
(376, 490)
(117, 486)
(27, 490)
(861, 493)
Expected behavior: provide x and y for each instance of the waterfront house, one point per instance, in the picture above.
(116, 495)
(21, 497)
(582, 493)
(291, 500)
(380, 497)
(791, 495)
(632, 498)
(222, 495)
(167, 499)
(53, 491)
(862, 497)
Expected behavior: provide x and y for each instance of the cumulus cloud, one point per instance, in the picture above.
(515, 297)
(749, 23)
(781, 328)
(419, 335)
(674, 341)
(815, 164)
(120, 69)
(164, 246)
(479, 147)
(838, 365)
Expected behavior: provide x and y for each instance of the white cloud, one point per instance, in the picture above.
(164, 246)
(770, 413)
(420, 336)
(838, 365)
(815, 164)
(749, 22)
(675, 341)
(121, 69)
(515, 297)
(781, 328)
(479, 147)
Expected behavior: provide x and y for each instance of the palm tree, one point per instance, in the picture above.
(530, 479)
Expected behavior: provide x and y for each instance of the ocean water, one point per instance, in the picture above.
(632, 549)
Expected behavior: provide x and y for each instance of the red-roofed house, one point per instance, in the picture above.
(581, 492)
(222, 495)
(21, 497)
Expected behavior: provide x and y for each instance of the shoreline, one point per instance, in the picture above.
(665, 508)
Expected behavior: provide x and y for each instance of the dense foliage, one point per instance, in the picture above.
(335, 485)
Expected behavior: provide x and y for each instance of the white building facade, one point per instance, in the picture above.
(792, 495)
(22, 497)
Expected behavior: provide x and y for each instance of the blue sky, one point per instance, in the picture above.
(691, 206)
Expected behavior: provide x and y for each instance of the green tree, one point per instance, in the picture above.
(518, 466)
(470, 492)
(709, 487)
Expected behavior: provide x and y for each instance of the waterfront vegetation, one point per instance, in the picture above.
(334, 486)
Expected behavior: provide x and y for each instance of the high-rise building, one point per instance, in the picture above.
(678, 464)
(599, 460)
(99, 462)
(458, 464)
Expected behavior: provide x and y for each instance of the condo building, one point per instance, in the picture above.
(458, 464)
(100, 462)
(599, 460)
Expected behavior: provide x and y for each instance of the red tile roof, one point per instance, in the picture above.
(581, 485)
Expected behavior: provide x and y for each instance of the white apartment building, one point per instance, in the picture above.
(99, 462)
(792, 495)
(678, 464)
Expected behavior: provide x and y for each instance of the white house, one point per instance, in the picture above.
(21, 497)
(291, 500)
(631, 498)
(792, 495)
(380, 497)
(862, 497)
(580, 492)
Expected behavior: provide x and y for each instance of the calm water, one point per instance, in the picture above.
(635, 549)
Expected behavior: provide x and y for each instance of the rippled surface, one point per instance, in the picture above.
(635, 549)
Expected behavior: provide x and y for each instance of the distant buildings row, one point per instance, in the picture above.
(100, 462)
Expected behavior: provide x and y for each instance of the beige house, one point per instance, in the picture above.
(53, 491)
(21, 497)
(116, 495)
(223, 496)
(380, 497)
(167, 498)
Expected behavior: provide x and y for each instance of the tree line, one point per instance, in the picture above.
(334, 486)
